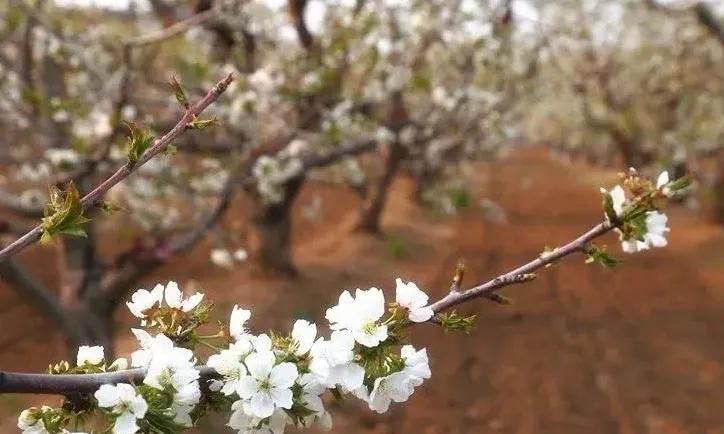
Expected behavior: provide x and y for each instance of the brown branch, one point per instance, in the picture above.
(159, 145)
(520, 274)
(28, 287)
(16, 382)
(172, 30)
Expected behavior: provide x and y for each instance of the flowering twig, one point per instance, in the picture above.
(522, 273)
(268, 381)
(158, 146)
(13, 382)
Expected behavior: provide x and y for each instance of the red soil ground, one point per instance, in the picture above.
(581, 350)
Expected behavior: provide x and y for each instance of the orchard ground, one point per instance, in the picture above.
(581, 349)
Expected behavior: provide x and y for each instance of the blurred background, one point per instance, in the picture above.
(364, 140)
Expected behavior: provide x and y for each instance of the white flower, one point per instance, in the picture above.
(241, 255)
(221, 258)
(407, 135)
(360, 315)
(119, 364)
(184, 401)
(410, 297)
(384, 135)
(125, 402)
(237, 322)
(395, 387)
(662, 183)
(311, 391)
(62, 157)
(247, 424)
(174, 298)
(229, 364)
(303, 334)
(169, 366)
(417, 365)
(143, 300)
(654, 236)
(618, 197)
(30, 421)
(89, 355)
(267, 386)
(331, 361)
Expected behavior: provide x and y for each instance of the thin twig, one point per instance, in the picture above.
(171, 31)
(522, 273)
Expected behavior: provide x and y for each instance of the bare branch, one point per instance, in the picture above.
(30, 288)
(15, 382)
(172, 30)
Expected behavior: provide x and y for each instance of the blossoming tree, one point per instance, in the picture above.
(422, 87)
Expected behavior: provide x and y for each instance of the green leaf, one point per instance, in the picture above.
(63, 214)
(179, 93)
(202, 124)
(456, 322)
(599, 255)
(139, 141)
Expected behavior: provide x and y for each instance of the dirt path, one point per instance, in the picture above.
(581, 350)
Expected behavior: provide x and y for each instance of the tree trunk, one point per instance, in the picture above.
(374, 204)
(90, 326)
(629, 153)
(89, 323)
(271, 235)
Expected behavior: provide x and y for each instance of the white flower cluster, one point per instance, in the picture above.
(144, 300)
(225, 259)
(267, 381)
(652, 228)
(277, 381)
(169, 368)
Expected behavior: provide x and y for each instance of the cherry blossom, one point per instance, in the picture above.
(268, 386)
(410, 297)
(142, 300)
(127, 405)
(359, 315)
(303, 334)
(237, 322)
(89, 355)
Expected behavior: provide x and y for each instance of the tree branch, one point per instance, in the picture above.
(13, 382)
(172, 30)
(514, 276)
(159, 145)
(29, 287)
(16, 382)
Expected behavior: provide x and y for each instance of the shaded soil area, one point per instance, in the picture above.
(582, 349)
